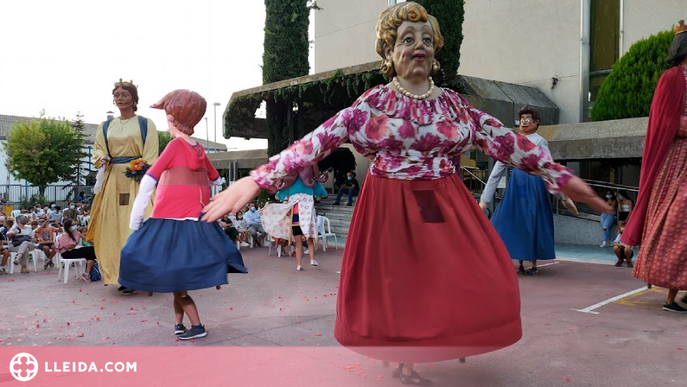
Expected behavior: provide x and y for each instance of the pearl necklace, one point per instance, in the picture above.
(415, 96)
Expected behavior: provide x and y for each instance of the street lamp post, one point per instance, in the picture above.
(207, 132)
(215, 106)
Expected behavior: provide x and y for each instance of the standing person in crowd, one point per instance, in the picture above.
(658, 221)
(118, 142)
(296, 216)
(173, 251)
(608, 220)
(524, 219)
(412, 130)
(625, 205)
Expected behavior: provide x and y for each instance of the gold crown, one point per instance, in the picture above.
(680, 27)
(125, 83)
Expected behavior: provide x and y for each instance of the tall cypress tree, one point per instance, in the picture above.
(285, 56)
(450, 14)
(286, 40)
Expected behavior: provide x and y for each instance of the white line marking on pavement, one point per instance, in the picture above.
(548, 264)
(590, 309)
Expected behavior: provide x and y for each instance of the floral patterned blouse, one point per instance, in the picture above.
(412, 139)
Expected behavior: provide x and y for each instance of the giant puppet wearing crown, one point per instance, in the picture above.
(118, 141)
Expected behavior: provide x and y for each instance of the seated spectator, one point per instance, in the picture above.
(46, 241)
(84, 215)
(350, 188)
(22, 237)
(233, 233)
(5, 245)
(620, 251)
(241, 226)
(55, 216)
(70, 212)
(83, 231)
(69, 246)
(254, 223)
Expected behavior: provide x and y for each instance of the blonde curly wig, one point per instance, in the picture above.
(389, 21)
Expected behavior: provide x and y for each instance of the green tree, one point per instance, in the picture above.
(163, 139)
(450, 14)
(629, 88)
(285, 56)
(44, 151)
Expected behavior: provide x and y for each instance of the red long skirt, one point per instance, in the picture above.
(425, 277)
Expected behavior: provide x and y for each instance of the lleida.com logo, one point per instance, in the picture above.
(24, 367)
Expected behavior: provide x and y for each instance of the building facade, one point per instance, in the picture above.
(564, 48)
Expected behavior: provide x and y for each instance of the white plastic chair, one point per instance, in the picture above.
(65, 263)
(13, 256)
(251, 240)
(325, 232)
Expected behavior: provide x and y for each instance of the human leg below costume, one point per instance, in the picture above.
(183, 303)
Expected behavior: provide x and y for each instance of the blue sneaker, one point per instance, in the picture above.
(196, 332)
(179, 329)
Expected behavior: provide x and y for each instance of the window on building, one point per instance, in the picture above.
(604, 42)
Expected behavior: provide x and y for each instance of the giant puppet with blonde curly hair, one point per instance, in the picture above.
(173, 251)
(406, 293)
(118, 141)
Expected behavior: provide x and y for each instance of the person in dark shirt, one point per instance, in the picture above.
(231, 231)
(350, 187)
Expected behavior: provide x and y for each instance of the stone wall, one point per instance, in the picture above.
(578, 231)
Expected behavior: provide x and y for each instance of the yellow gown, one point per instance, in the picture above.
(109, 224)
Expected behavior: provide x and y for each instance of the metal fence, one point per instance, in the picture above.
(475, 180)
(14, 194)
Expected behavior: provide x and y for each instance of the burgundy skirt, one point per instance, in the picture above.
(425, 277)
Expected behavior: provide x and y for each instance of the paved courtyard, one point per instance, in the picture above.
(584, 324)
